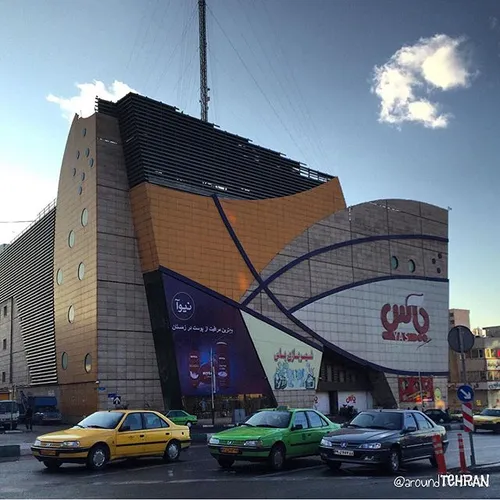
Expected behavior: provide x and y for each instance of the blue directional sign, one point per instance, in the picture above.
(465, 393)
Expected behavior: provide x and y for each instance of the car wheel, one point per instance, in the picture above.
(334, 466)
(394, 463)
(225, 463)
(52, 465)
(172, 451)
(277, 457)
(97, 458)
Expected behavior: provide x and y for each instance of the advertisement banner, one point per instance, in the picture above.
(289, 364)
(213, 348)
(409, 389)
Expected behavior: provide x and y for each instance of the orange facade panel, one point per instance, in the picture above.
(184, 232)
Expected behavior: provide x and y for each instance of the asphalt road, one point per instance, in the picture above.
(197, 475)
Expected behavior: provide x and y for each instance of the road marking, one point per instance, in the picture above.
(283, 473)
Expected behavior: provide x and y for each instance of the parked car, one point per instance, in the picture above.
(438, 416)
(9, 414)
(272, 436)
(385, 438)
(105, 436)
(488, 420)
(182, 417)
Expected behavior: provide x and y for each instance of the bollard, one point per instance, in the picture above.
(461, 451)
(438, 452)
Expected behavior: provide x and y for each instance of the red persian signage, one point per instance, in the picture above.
(409, 389)
(394, 317)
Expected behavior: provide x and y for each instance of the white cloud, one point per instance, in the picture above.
(493, 22)
(415, 71)
(84, 103)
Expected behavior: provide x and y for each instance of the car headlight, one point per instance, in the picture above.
(70, 444)
(254, 444)
(371, 446)
(214, 440)
(325, 442)
(37, 443)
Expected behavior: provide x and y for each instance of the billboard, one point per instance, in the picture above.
(409, 389)
(399, 324)
(212, 345)
(289, 363)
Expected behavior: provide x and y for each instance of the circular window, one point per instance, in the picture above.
(84, 217)
(84, 132)
(80, 190)
(433, 261)
(411, 266)
(440, 255)
(87, 363)
(91, 162)
(74, 172)
(81, 271)
(439, 270)
(87, 152)
(83, 176)
(394, 262)
(71, 314)
(59, 277)
(71, 239)
(77, 155)
(64, 360)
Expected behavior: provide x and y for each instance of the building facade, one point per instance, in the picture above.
(186, 262)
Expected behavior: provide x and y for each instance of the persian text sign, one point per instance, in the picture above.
(394, 317)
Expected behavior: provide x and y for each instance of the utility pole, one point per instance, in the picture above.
(203, 61)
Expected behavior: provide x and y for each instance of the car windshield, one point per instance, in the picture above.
(274, 419)
(8, 406)
(491, 413)
(378, 420)
(101, 420)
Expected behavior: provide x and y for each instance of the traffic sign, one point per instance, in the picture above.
(461, 339)
(465, 393)
(117, 400)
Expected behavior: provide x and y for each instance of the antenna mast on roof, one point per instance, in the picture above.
(203, 61)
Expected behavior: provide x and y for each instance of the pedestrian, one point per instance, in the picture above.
(28, 419)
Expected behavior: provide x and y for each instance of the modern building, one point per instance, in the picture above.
(183, 261)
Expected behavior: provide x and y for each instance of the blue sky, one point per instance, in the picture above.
(295, 76)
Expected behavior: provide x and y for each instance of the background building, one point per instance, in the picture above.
(183, 260)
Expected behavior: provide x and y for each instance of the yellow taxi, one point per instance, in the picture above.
(105, 436)
(488, 420)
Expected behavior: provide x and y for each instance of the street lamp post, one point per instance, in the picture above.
(420, 375)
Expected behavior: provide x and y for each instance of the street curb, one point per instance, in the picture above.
(10, 451)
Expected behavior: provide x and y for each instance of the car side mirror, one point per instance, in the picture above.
(297, 427)
(410, 429)
(124, 428)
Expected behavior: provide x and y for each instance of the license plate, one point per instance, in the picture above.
(47, 452)
(344, 453)
(230, 451)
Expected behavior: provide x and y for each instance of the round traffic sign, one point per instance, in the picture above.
(461, 339)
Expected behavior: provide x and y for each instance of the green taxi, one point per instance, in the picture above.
(272, 436)
(181, 417)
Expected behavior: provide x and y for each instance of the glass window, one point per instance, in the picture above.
(77, 155)
(276, 419)
(152, 421)
(84, 132)
(84, 218)
(379, 420)
(83, 176)
(409, 421)
(300, 419)
(314, 419)
(91, 162)
(71, 314)
(422, 422)
(80, 190)
(439, 270)
(102, 420)
(394, 262)
(134, 421)
(87, 363)
(4, 344)
(59, 277)
(411, 266)
(87, 152)
(81, 271)
(71, 239)
(64, 360)
(74, 172)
